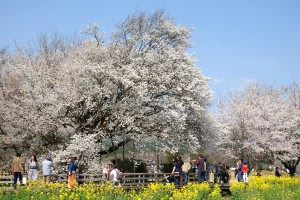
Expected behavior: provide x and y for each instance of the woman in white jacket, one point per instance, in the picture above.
(113, 176)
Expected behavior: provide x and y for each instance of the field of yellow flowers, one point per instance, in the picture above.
(90, 191)
(259, 188)
(267, 188)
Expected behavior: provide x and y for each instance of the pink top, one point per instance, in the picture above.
(245, 168)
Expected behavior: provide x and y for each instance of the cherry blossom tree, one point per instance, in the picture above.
(28, 96)
(262, 120)
(140, 85)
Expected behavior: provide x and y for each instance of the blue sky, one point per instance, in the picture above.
(235, 41)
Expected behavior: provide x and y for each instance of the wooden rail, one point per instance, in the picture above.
(127, 180)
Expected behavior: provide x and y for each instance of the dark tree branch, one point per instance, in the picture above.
(114, 147)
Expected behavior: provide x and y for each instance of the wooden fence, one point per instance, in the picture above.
(127, 180)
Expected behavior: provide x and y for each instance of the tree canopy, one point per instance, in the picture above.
(139, 85)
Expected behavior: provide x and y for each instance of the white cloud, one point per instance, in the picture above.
(216, 81)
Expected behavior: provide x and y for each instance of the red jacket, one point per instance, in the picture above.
(245, 168)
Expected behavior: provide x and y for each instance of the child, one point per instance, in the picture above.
(245, 172)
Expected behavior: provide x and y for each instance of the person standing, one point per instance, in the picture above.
(32, 169)
(216, 173)
(201, 172)
(223, 174)
(76, 163)
(47, 169)
(245, 172)
(207, 169)
(68, 163)
(239, 171)
(72, 174)
(17, 169)
(176, 171)
(180, 163)
(185, 170)
(277, 174)
(228, 174)
(200, 166)
(113, 175)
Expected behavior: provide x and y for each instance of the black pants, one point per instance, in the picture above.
(16, 176)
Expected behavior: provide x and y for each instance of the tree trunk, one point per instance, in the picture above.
(123, 157)
(291, 166)
(100, 151)
(114, 149)
(133, 157)
(292, 171)
(157, 163)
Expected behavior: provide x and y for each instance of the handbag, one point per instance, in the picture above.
(24, 180)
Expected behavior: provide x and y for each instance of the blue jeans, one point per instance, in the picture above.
(207, 176)
(186, 178)
(201, 175)
(116, 183)
(240, 176)
(177, 180)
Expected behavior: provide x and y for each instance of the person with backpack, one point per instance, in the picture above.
(245, 172)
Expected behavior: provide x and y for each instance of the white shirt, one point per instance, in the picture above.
(114, 174)
(47, 167)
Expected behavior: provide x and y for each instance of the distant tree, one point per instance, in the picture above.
(262, 120)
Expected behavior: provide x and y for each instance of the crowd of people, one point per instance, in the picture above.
(217, 173)
(110, 172)
(220, 172)
(32, 168)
